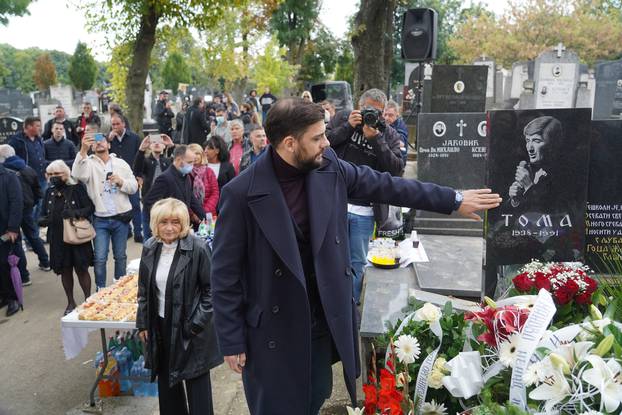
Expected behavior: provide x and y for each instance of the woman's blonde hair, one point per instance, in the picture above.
(59, 166)
(167, 208)
(307, 94)
(198, 150)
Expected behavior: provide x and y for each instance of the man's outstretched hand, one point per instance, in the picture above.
(478, 199)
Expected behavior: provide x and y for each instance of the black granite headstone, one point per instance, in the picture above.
(14, 103)
(538, 160)
(458, 88)
(451, 152)
(603, 239)
(608, 94)
(9, 126)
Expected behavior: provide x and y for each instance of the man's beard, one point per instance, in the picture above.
(306, 164)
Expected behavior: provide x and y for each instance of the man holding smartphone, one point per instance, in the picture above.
(109, 181)
(124, 144)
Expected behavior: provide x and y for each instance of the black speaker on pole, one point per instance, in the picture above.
(419, 33)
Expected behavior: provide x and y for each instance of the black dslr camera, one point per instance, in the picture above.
(372, 117)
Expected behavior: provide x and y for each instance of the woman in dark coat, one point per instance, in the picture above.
(218, 160)
(65, 199)
(174, 316)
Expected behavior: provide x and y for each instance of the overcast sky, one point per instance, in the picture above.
(53, 24)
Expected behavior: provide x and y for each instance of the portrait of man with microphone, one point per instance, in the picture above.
(533, 178)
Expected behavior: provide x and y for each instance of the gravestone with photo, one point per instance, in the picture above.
(14, 103)
(520, 74)
(538, 161)
(556, 78)
(411, 79)
(585, 93)
(9, 126)
(603, 240)
(608, 96)
(458, 88)
(451, 151)
(490, 79)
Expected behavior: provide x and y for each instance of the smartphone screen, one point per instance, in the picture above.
(99, 137)
(155, 138)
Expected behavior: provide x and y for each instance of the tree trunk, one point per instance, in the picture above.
(139, 68)
(372, 43)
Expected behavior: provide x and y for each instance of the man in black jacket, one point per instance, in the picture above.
(375, 146)
(124, 144)
(147, 169)
(10, 218)
(175, 182)
(196, 128)
(58, 147)
(69, 130)
(31, 194)
(164, 115)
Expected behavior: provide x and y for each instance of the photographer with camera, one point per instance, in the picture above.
(363, 138)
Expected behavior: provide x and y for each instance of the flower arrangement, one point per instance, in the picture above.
(474, 359)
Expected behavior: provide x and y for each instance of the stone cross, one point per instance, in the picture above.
(560, 48)
(461, 125)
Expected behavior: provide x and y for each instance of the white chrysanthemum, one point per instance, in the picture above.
(508, 350)
(433, 408)
(532, 374)
(407, 348)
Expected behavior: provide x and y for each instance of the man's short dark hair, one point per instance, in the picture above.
(291, 116)
(57, 122)
(118, 116)
(254, 128)
(93, 126)
(28, 121)
(180, 151)
(196, 101)
(59, 106)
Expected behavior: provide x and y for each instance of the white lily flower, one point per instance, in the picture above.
(354, 411)
(554, 390)
(574, 352)
(606, 378)
(407, 348)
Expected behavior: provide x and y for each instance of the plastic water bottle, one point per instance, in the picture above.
(136, 371)
(210, 222)
(124, 357)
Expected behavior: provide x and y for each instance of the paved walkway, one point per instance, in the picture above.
(36, 378)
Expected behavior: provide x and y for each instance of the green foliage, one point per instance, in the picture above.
(344, 69)
(82, 68)
(292, 22)
(175, 71)
(272, 70)
(491, 407)
(591, 28)
(12, 8)
(117, 71)
(320, 57)
(44, 72)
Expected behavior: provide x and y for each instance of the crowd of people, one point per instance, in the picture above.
(284, 209)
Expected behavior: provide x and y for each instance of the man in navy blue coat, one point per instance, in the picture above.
(281, 271)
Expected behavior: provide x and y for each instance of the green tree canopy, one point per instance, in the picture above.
(175, 71)
(82, 68)
(292, 21)
(272, 69)
(12, 8)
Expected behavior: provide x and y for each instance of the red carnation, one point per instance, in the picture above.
(522, 282)
(591, 284)
(566, 292)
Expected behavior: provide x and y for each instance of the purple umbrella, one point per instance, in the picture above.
(16, 278)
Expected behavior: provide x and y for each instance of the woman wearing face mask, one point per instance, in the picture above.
(204, 182)
(220, 127)
(238, 144)
(67, 199)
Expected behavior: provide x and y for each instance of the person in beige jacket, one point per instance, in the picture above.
(109, 181)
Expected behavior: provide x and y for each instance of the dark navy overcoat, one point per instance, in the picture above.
(258, 285)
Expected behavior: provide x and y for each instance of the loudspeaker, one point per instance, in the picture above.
(419, 33)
